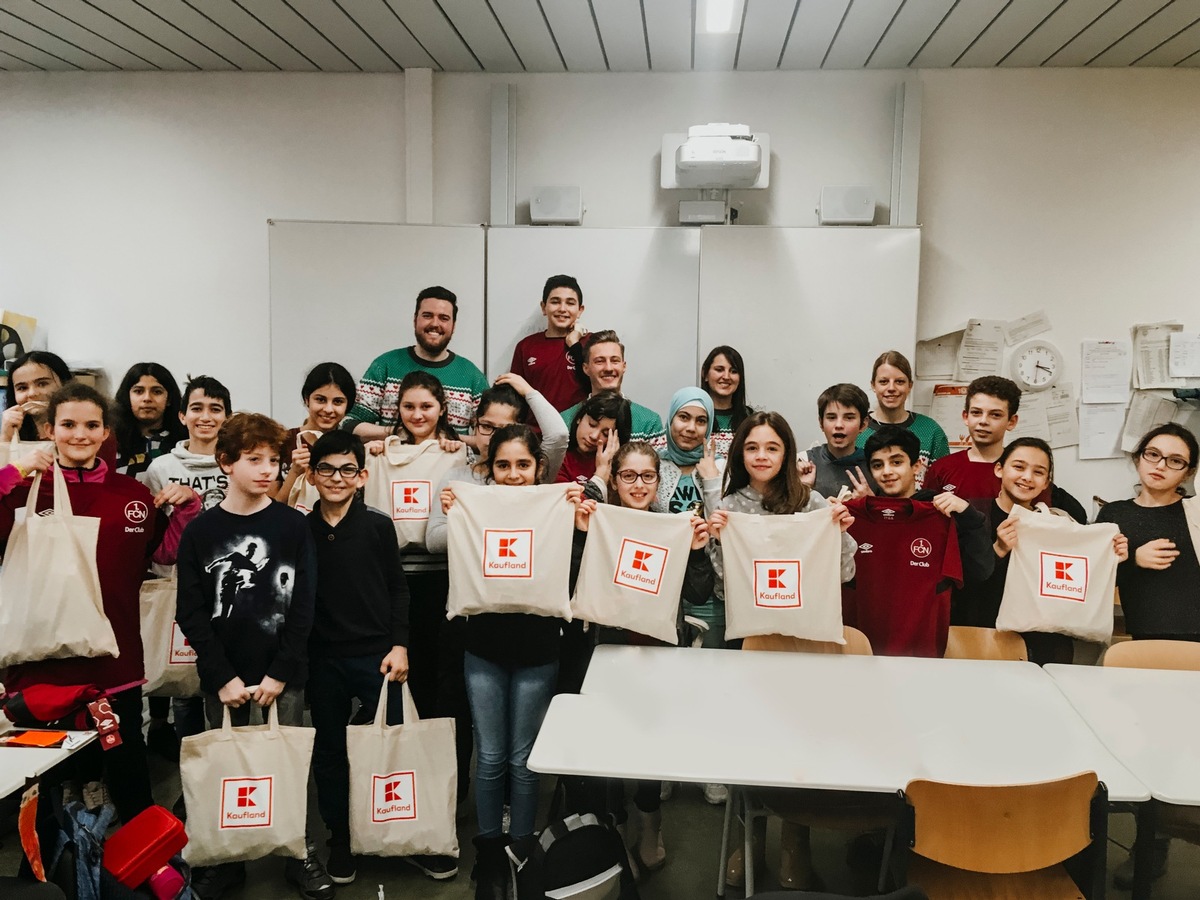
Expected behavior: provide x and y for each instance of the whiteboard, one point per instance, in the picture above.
(641, 282)
(346, 292)
(807, 308)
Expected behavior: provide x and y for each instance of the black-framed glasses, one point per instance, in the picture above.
(1152, 456)
(485, 429)
(348, 471)
(628, 476)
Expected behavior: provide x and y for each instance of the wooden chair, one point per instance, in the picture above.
(1009, 841)
(836, 810)
(1181, 655)
(967, 642)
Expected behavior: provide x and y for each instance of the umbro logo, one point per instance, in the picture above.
(949, 487)
(865, 548)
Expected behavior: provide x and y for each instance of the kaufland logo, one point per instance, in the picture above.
(777, 583)
(181, 653)
(410, 500)
(508, 553)
(247, 802)
(394, 797)
(640, 566)
(1064, 577)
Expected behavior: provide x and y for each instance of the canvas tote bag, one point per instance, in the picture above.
(632, 572)
(170, 659)
(402, 482)
(246, 791)
(16, 448)
(50, 601)
(1191, 511)
(1061, 577)
(303, 496)
(509, 549)
(783, 576)
(403, 784)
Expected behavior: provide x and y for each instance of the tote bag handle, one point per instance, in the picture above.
(410, 707)
(62, 500)
(272, 719)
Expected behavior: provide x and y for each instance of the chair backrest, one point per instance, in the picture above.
(1184, 655)
(857, 643)
(967, 642)
(1005, 828)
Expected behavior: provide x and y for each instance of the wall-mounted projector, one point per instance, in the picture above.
(716, 156)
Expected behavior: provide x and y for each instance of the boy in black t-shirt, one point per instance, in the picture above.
(360, 632)
(245, 604)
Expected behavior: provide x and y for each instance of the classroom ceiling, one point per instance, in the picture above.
(592, 35)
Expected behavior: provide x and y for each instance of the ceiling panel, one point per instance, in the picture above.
(812, 32)
(482, 34)
(340, 30)
(302, 35)
(1061, 27)
(50, 21)
(523, 22)
(669, 30)
(1155, 30)
(378, 20)
(33, 56)
(1174, 51)
(230, 15)
(863, 26)
(193, 22)
(624, 37)
(575, 30)
(21, 30)
(1007, 30)
(764, 31)
(144, 19)
(14, 64)
(966, 21)
(1105, 31)
(910, 29)
(433, 30)
(101, 22)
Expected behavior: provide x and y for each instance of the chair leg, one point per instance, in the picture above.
(730, 800)
(1143, 850)
(748, 834)
(889, 842)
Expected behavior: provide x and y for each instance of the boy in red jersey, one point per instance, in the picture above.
(551, 360)
(990, 413)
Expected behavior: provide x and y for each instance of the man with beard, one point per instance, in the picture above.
(376, 412)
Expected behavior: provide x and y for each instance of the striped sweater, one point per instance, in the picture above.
(378, 401)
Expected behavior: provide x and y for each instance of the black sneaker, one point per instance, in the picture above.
(342, 867)
(309, 876)
(439, 868)
(162, 740)
(212, 882)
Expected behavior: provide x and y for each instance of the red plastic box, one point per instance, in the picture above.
(143, 846)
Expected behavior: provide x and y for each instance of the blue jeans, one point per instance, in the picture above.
(507, 706)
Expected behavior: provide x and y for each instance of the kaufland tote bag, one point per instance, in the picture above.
(303, 496)
(16, 448)
(246, 791)
(632, 571)
(402, 482)
(509, 549)
(50, 602)
(403, 784)
(170, 659)
(783, 576)
(1191, 511)
(1061, 577)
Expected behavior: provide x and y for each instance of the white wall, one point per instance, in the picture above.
(134, 207)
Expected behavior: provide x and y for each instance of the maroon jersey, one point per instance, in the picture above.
(130, 529)
(907, 562)
(576, 468)
(548, 366)
(960, 475)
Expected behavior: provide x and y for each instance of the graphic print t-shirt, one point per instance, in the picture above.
(246, 594)
(906, 564)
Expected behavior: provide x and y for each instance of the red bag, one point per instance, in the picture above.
(143, 846)
(39, 705)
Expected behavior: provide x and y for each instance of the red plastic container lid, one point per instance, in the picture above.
(143, 845)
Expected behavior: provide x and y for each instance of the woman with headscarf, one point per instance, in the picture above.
(689, 478)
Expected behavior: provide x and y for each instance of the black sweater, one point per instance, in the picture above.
(362, 594)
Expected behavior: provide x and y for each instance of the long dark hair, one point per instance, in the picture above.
(738, 405)
(330, 373)
(786, 493)
(421, 379)
(604, 405)
(51, 361)
(125, 423)
(522, 434)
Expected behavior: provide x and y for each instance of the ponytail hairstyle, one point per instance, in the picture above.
(786, 493)
(421, 379)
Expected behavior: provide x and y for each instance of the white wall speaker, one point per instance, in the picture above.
(850, 205)
(556, 206)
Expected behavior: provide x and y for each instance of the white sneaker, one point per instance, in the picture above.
(716, 794)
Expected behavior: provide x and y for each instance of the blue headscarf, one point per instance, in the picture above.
(688, 396)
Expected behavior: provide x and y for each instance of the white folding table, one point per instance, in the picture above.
(18, 764)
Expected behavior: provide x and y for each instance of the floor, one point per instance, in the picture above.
(692, 834)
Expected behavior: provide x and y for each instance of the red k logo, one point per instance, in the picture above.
(640, 566)
(639, 560)
(1063, 577)
(777, 583)
(246, 802)
(775, 578)
(508, 552)
(1062, 571)
(411, 494)
(391, 791)
(245, 796)
(506, 547)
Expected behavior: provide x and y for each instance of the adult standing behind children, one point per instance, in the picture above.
(723, 376)
(604, 366)
(892, 382)
(376, 411)
(147, 421)
(547, 359)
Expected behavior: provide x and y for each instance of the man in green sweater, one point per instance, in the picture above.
(604, 365)
(377, 410)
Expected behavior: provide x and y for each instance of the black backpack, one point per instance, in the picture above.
(580, 857)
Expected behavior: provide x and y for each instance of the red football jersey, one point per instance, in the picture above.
(906, 564)
(958, 474)
(548, 366)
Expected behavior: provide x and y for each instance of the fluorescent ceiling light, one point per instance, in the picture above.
(719, 15)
